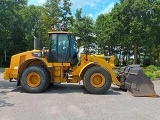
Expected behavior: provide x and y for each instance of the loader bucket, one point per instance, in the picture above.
(134, 80)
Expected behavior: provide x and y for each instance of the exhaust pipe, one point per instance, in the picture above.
(35, 43)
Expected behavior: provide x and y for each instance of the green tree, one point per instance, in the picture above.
(132, 25)
(100, 26)
(135, 17)
(31, 16)
(11, 30)
(108, 30)
(66, 13)
(154, 13)
(54, 12)
(83, 28)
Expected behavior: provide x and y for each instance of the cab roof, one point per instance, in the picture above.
(59, 32)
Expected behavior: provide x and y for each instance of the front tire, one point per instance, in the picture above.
(35, 79)
(97, 80)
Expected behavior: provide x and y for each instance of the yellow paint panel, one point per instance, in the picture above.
(22, 59)
(61, 64)
(75, 79)
(57, 73)
(57, 79)
(64, 80)
(6, 74)
(13, 75)
(57, 68)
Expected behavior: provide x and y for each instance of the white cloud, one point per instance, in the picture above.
(41, 1)
(76, 3)
(95, 7)
(82, 3)
(90, 15)
(108, 8)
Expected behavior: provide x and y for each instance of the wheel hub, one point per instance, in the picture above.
(33, 79)
(97, 80)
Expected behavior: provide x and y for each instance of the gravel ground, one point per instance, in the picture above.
(73, 102)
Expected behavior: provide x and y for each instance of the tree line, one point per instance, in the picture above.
(131, 31)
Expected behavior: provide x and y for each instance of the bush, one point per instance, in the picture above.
(157, 74)
(152, 72)
(152, 68)
(150, 75)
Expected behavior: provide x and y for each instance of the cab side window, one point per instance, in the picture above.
(53, 42)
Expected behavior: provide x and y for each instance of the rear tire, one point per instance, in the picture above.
(97, 80)
(35, 79)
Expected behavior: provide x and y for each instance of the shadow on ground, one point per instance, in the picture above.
(7, 85)
(5, 88)
(69, 88)
(3, 99)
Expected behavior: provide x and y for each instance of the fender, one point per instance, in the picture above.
(88, 65)
(80, 70)
(29, 62)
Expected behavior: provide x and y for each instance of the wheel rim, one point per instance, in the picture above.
(97, 80)
(33, 79)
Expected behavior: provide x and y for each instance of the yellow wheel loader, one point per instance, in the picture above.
(35, 70)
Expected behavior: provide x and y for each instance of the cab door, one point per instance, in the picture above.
(59, 48)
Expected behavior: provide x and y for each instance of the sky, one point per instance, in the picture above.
(91, 8)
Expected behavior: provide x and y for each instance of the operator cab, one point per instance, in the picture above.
(62, 47)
